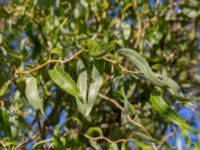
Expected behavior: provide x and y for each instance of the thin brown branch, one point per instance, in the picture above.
(3, 144)
(165, 138)
(121, 108)
(23, 144)
(48, 62)
(107, 139)
(111, 100)
(122, 67)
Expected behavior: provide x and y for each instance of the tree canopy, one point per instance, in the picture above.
(99, 74)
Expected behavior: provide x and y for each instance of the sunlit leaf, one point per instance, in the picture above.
(4, 88)
(164, 109)
(143, 145)
(144, 136)
(157, 79)
(93, 47)
(94, 131)
(57, 52)
(63, 80)
(95, 145)
(98, 50)
(113, 146)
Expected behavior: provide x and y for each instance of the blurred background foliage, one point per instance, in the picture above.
(166, 33)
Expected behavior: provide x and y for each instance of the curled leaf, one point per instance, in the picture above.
(99, 50)
(157, 79)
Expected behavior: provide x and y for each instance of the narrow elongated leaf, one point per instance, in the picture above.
(82, 84)
(82, 80)
(32, 94)
(63, 80)
(144, 136)
(164, 109)
(143, 145)
(95, 145)
(141, 63)
(95, 85)
(155, 78)
(113, 146)
(4, 88)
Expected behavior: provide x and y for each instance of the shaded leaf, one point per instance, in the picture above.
(4, 122)
(95, 85)
(82, 84)
(32, 94)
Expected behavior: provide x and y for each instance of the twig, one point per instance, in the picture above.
(3, 144)
(107, 139)
(48, 62)
(164, 139)
(111, 100)
(42, 142)
(122, 67)
(23, 144)
(121, 108)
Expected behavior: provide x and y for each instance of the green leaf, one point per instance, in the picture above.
(157, 79)
(142, 64)
(63, 80)
(82, 84)
(93, 47)
(95, 85)
(164, 109)
(95, 145)
(144, 136)
(4, 122)
(57, 52)
(57, 143)
(143, 145)
(32, 94)
(123, 146)
(4, 88)
(99, 50)
(113, 146)
(94, 131)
